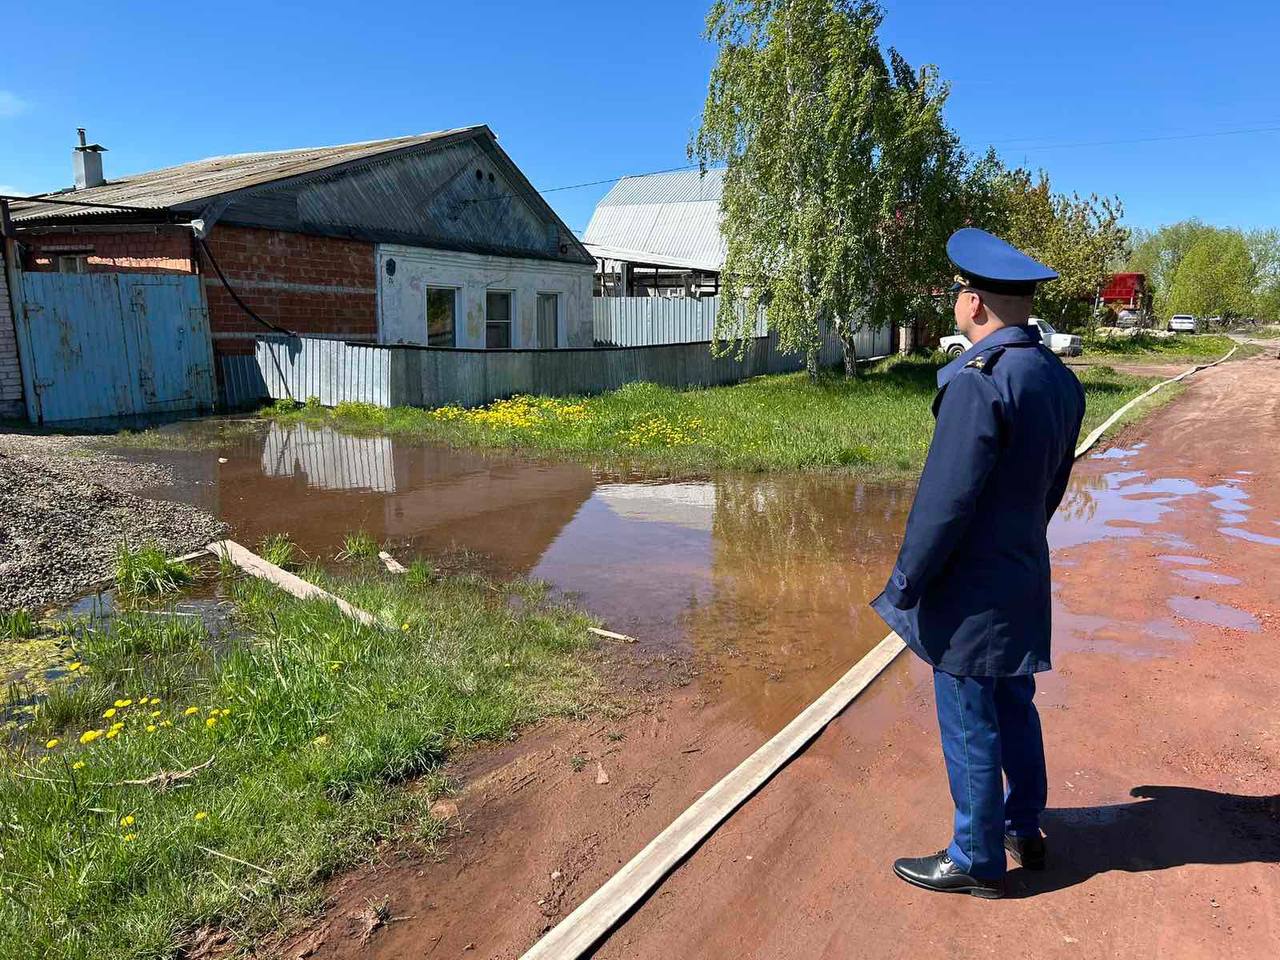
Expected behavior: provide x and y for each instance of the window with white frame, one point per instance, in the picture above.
(548, 320)
(497, 319)
(441, 312)
(73, 263)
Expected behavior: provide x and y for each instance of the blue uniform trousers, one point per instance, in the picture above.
(989, 725)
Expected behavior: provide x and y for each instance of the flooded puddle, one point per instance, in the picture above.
(1214, 613)
(768, 576)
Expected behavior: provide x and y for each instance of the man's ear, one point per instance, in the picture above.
(976, 307)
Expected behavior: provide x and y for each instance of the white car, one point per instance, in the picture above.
(1183, 323)
(1063, 344)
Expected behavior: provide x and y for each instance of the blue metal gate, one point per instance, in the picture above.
(113, 345)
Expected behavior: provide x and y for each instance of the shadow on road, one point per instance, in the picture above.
(1166, 827)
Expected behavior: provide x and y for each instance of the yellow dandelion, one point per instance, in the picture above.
(210, 721)
(90, 735)
(74, 666)
(190, 710)
(127, 820)
(129, 837)
(152, 728)
(202, 814)
(335, 666)
(109, 712)
(156, 713)
(50, 744)
(166, 723)
(117, 725)
(124, 703)
(404, 626)
(112, 733)
(78, 765)
(322, 740)
(225, 712)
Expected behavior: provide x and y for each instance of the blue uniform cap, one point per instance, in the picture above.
(986, 262)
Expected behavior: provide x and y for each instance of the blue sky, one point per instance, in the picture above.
(581, 91)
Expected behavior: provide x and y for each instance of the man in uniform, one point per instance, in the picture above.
(970, 590)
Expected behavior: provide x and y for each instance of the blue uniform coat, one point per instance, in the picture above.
(970, 590)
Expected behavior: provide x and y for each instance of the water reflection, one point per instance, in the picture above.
(771, 577)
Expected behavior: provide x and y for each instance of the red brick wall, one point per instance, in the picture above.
(303, 283)
(160, 251)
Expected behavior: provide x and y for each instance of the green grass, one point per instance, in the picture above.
(146, 571)
(280, 550)
(301, 735)
(1141, 348)
(18, 625)
(877, 426)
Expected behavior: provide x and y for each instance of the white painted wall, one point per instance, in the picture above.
(402, 303)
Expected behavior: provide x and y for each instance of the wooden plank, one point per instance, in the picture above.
(252, 563)
(599, 913)
(391, 563)
(610, 635)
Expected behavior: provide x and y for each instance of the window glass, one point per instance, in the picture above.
(497, 327)
(548, 319)
(440, 312)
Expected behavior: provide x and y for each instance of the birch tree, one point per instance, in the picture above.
(842, 181)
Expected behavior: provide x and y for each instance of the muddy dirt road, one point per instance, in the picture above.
(1164, 753)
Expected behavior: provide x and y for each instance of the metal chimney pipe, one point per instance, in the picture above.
(86, 162)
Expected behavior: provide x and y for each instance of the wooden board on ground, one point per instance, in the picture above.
(250, 562)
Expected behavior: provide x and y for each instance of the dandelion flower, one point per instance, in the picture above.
(129, 837)
(202, 814)
(190, 711)
(156, 713)
(210, 721)
(50, 744)
(112, 733)
(90, 735)
(78, 765)
(226, 712)
(109, 712)
(117, 725)
(404, 626)
(335, 666)
(166, 723)
(124, 703)
(127, 820)
(74, 666)
(152, 728)
(322, 740)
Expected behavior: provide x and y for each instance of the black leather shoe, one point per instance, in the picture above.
(1029, 852)
(940, 874)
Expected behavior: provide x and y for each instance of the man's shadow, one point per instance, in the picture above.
(1166, 827)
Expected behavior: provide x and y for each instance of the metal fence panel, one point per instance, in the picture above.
(113, 345)
(333, 372)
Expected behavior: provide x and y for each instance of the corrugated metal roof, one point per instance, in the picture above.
(663, 218)
(192, 182)
(681, 186)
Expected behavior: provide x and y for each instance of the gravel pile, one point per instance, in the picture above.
(63, 511)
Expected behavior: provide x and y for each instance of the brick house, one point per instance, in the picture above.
(436, 239)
